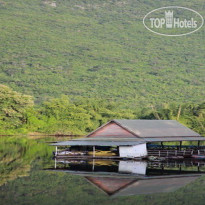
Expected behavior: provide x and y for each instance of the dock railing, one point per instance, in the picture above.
(168, 153)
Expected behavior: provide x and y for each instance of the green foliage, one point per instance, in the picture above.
(13, 106)
(98, 49)
(63, 116)
(190, 115)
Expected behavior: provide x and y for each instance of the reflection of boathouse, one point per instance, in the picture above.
(126, 178)
(128, 186)
(133, 139)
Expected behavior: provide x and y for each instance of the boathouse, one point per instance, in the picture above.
(132, 139)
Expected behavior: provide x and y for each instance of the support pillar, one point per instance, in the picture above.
(56, 151)
(93, 151)
(198, 144)
(180, 146)
(93, 167)
(118, 150)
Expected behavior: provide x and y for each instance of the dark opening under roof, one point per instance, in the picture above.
(122, 142)
(100, 142)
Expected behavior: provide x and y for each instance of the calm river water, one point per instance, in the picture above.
(30, 175)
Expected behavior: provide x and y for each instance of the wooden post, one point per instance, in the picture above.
(198, 144)
(56, 151)
(93, 151)
(198, 147)
(93, 167)
(118, 151)
(180, 146)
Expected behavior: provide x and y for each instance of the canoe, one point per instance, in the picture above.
(69, 153)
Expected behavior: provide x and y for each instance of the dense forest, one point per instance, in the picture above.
(19, 114)
(72, 66)
(98, 49)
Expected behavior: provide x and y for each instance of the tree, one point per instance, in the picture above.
(13, 106)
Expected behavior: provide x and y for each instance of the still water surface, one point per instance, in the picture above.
(30, 175)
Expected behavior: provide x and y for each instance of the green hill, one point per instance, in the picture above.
(98, 49)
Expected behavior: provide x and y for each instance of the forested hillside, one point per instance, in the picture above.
(19, 114)
(98, 49)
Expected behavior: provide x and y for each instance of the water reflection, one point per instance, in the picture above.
(124, 178)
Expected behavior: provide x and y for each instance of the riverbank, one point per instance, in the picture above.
(43, 136)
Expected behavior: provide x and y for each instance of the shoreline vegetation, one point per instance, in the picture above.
(19, 115)
(43, 136)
